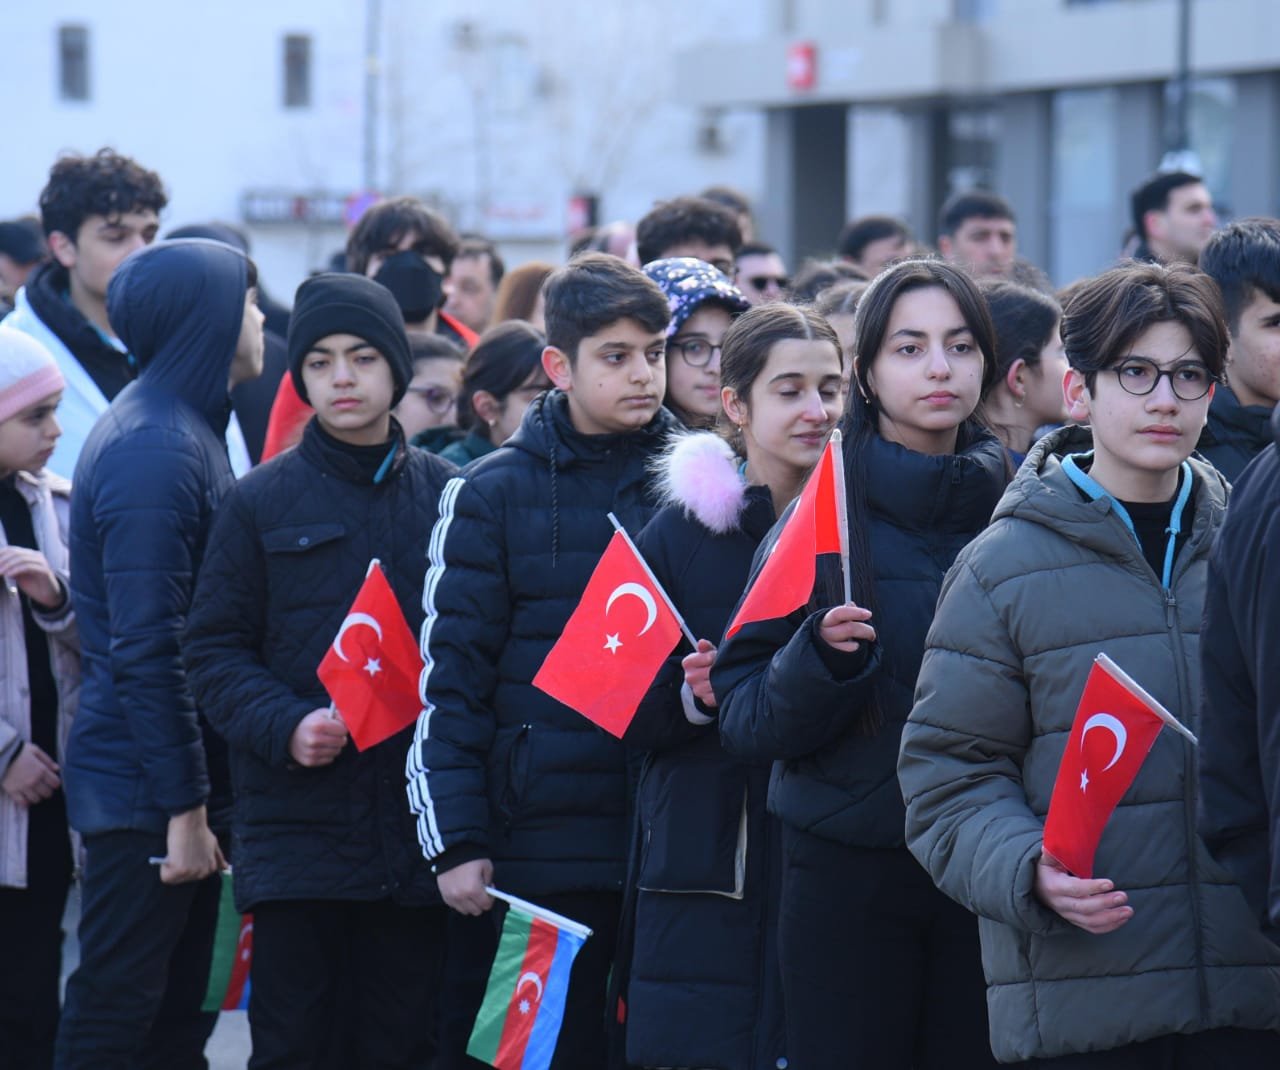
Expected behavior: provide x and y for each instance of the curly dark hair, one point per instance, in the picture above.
(105, 184)
(672, 223)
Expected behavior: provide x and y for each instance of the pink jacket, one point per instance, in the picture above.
(48, 496)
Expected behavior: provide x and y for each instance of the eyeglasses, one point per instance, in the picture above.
(1139, 376)
(696, 352)
(762, 282)
(436, 398)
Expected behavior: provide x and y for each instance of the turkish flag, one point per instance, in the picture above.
(371, 671)
(785, 581)
(614, 644)
(1115, 727)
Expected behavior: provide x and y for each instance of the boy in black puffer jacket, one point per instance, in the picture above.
(510, 786)
(347, 923)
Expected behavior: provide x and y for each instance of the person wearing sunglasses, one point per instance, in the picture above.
(760, 273)
(703, 303)
(428, 412)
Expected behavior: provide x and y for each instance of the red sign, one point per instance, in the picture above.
(802, 65)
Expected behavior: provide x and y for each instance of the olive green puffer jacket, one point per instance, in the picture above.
(1052, 582)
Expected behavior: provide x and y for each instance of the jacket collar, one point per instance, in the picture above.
(354, 464)
(547, 431)
(45, 292)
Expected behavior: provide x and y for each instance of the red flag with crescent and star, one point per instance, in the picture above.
(785, 580)
(614, 644)
(1115, 727)
(371, 670)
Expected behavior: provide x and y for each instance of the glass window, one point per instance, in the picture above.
(297, 71)
(1211, 128)
(73, 62)
(1082, 235)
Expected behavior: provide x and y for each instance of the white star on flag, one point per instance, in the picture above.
(524, 1006)
(611, 643)
(373, 666)
(1084, 779)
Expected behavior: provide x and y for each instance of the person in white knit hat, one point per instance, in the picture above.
(39, 682)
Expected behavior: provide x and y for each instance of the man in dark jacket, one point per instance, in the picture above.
(1244, 260)
(1239, 749)
(323, 842)
(511, 787)
(138, 783)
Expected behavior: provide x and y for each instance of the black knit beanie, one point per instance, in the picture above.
(349, 304)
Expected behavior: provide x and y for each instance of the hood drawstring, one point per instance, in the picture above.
(555, 503)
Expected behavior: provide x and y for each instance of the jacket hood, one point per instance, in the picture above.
(1228, 418)
(178, 306)
(1043, 493)
(547, 432)
(698, 472)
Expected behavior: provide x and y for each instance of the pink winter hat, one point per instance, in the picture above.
(27, 372)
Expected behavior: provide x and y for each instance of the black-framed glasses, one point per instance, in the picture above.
(436, 398)
(1139, 376)
(695, 352)
(761, 282)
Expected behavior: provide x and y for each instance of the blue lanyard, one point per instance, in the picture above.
(1095, 490)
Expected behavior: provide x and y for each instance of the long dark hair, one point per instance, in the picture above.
(861, 420)
(748, 342)
(503, 358)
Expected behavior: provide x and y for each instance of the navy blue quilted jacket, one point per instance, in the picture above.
(151, 471)
(290, 548)
(498, 769)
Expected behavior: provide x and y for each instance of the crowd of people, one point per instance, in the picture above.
(819, 843)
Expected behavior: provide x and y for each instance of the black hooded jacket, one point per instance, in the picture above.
(1239, 750)
(499, 769)
(151, 472)
(289, 549)
(1234, 434)
(783, 696)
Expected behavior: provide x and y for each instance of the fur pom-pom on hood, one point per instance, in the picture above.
(698, 472)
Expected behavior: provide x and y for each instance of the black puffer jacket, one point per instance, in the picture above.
(1239, 750)
(289, 549)
(499, 769)
(1235, 434)
(704, 988)
(781, 699)
(151, 472)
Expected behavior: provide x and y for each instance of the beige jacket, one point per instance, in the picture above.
(48, 496)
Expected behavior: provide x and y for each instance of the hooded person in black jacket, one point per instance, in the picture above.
(323, 843)
(703, 987)
(878, 967)
(142, 778)
(1239, 752)
(511, 788)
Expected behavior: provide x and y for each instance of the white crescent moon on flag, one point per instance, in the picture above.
(636, 590)
(1113, 725)
(534, 979)
(352, 620)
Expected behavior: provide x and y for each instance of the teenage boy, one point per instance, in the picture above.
(689, 226)
(1173, 217)
(978, 231)
(1101, 544)
(408, 248)
(1239, 752)
(139, 783)
(511, 787)
(871, 241)
(323, 844)
(1244, 260)
(760, 273)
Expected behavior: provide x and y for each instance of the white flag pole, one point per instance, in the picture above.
(549, 916)
(842, 508)
(654, 580)
(1142, 695)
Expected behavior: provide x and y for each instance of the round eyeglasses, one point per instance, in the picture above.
(436, 398)
(695, 352)
(1139, 376)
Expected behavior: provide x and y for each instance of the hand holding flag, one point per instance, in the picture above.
(1115, 727)
(818, 524)
(615, 642)
(371, 671)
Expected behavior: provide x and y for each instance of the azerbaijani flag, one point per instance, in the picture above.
(519, 1020)
(228, 988)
